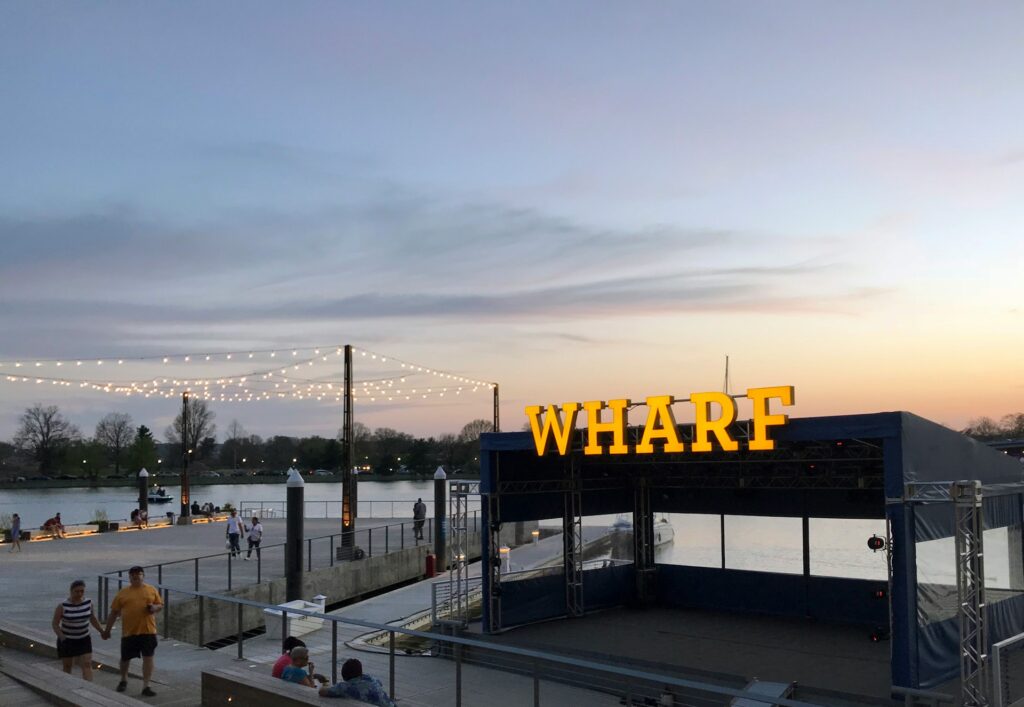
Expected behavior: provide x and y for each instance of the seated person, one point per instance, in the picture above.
(301, 670)
(195, 509)
(136, 521)
(54, 526)
(357, 686)
(286, 655)
(208, 509)
(143, 518)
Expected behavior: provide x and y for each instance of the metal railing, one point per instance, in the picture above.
(441, 599)
(1001, 696)
(635, 685)
(332, 509)
(372, 541)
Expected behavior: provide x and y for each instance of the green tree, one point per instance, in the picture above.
(142, 454)
(86, 458)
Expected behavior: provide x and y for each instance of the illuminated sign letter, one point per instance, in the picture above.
(661, 424)
(763, 420)
(702, 402)
(617, 426)
(552, 426)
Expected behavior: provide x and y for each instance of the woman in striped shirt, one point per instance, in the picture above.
(71, 621)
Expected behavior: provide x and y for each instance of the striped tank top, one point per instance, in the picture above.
(75, 620)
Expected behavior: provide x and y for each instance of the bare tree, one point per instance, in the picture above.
(115, 432)
(235, 434)
(200, 425)
(472, 430)
(44, 432)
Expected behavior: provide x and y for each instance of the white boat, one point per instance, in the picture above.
(664, 533)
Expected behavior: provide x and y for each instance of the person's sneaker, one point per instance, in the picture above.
(122, 686)
(246, 559)
(147, 692)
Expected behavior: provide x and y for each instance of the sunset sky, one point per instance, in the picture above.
(576, 200)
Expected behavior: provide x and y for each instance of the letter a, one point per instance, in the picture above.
(661, 424)
(553, 426)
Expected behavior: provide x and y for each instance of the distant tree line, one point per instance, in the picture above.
(1008, 427)
(49, 443)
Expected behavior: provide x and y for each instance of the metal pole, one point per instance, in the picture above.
(391, 661)
(497, 416)
(284, 624)
(167, 612)
(240, 632)
(334, 652)
(143, 483)
(536, 684)
(440, 513)
(332, 551)
(160, 574)
(202, 623)
(458, 675)
(349, 500)
(722, 538)
(186, 452)
(309, 555)
(229, 571)
(259, 566)
(293, 537)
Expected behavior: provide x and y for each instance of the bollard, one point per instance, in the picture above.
(293, 538)
(440, 487)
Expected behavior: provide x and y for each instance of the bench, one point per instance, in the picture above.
(234, 686)
(71, 531)
(60, 688)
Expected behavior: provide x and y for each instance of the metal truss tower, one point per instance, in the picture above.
(458, 524)
(572, 534)
(643, 541)
(970, 585)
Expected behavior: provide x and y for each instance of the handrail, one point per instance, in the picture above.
(530, 653)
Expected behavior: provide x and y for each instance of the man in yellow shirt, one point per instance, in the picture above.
(137, 604)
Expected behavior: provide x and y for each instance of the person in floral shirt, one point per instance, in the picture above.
(357, 686)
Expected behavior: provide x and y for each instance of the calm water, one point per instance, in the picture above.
(79, 505)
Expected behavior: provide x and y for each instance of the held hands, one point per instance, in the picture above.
(105, 634)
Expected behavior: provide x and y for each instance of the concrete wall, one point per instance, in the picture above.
(344, 581)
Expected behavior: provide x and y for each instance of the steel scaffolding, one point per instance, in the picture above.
(458, 548)
(643, 542)
(970, 586)
(572, 527)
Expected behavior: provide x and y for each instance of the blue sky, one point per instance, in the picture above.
(580, 201)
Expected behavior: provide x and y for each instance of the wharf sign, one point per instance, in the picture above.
(555, 423)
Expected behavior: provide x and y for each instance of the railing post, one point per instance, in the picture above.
(259, 566)
(458, 675)
(369, 542)
(403, 536)
(202, 603)
(332, 551)
(160, 574)
(240, 640)
(309, 554)
(99, 595)
(196, 562)
(387, 535)
(391, 661)
(106, 596)
(284, 624)
(120, 579)
(536, 684)
(334, 652)
(167, 613)
(229, 570)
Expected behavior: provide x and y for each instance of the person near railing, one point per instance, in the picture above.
(254, 537)
(54, 526)
(285, 660)
(419, 517)
(357, 686)
(233, 531)
(139, 603)
(71, 620)
(301, 670)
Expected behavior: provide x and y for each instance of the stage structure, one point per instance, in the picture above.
(941, 495)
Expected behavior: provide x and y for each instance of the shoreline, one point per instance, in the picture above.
(175, 481)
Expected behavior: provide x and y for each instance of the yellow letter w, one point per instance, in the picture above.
(553, 426)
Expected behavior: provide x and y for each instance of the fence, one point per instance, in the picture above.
(332, 509)
(636, 686)
(1008, 672)
(269, 559)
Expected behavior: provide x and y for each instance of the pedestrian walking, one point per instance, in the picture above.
(234, 532)
(419, 517)
(15, 533)
(137, 605)
(71, 620)
(254, 537)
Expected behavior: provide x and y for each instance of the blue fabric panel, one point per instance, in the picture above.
(609, 586)
(904, 596)
(528, 600)
(939, 643)
(826, 598)
(932, 452)
(485, 552)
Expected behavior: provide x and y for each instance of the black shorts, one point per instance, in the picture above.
(74, 647)
(143, 645)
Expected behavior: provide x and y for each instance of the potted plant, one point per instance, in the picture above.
(100, 520)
